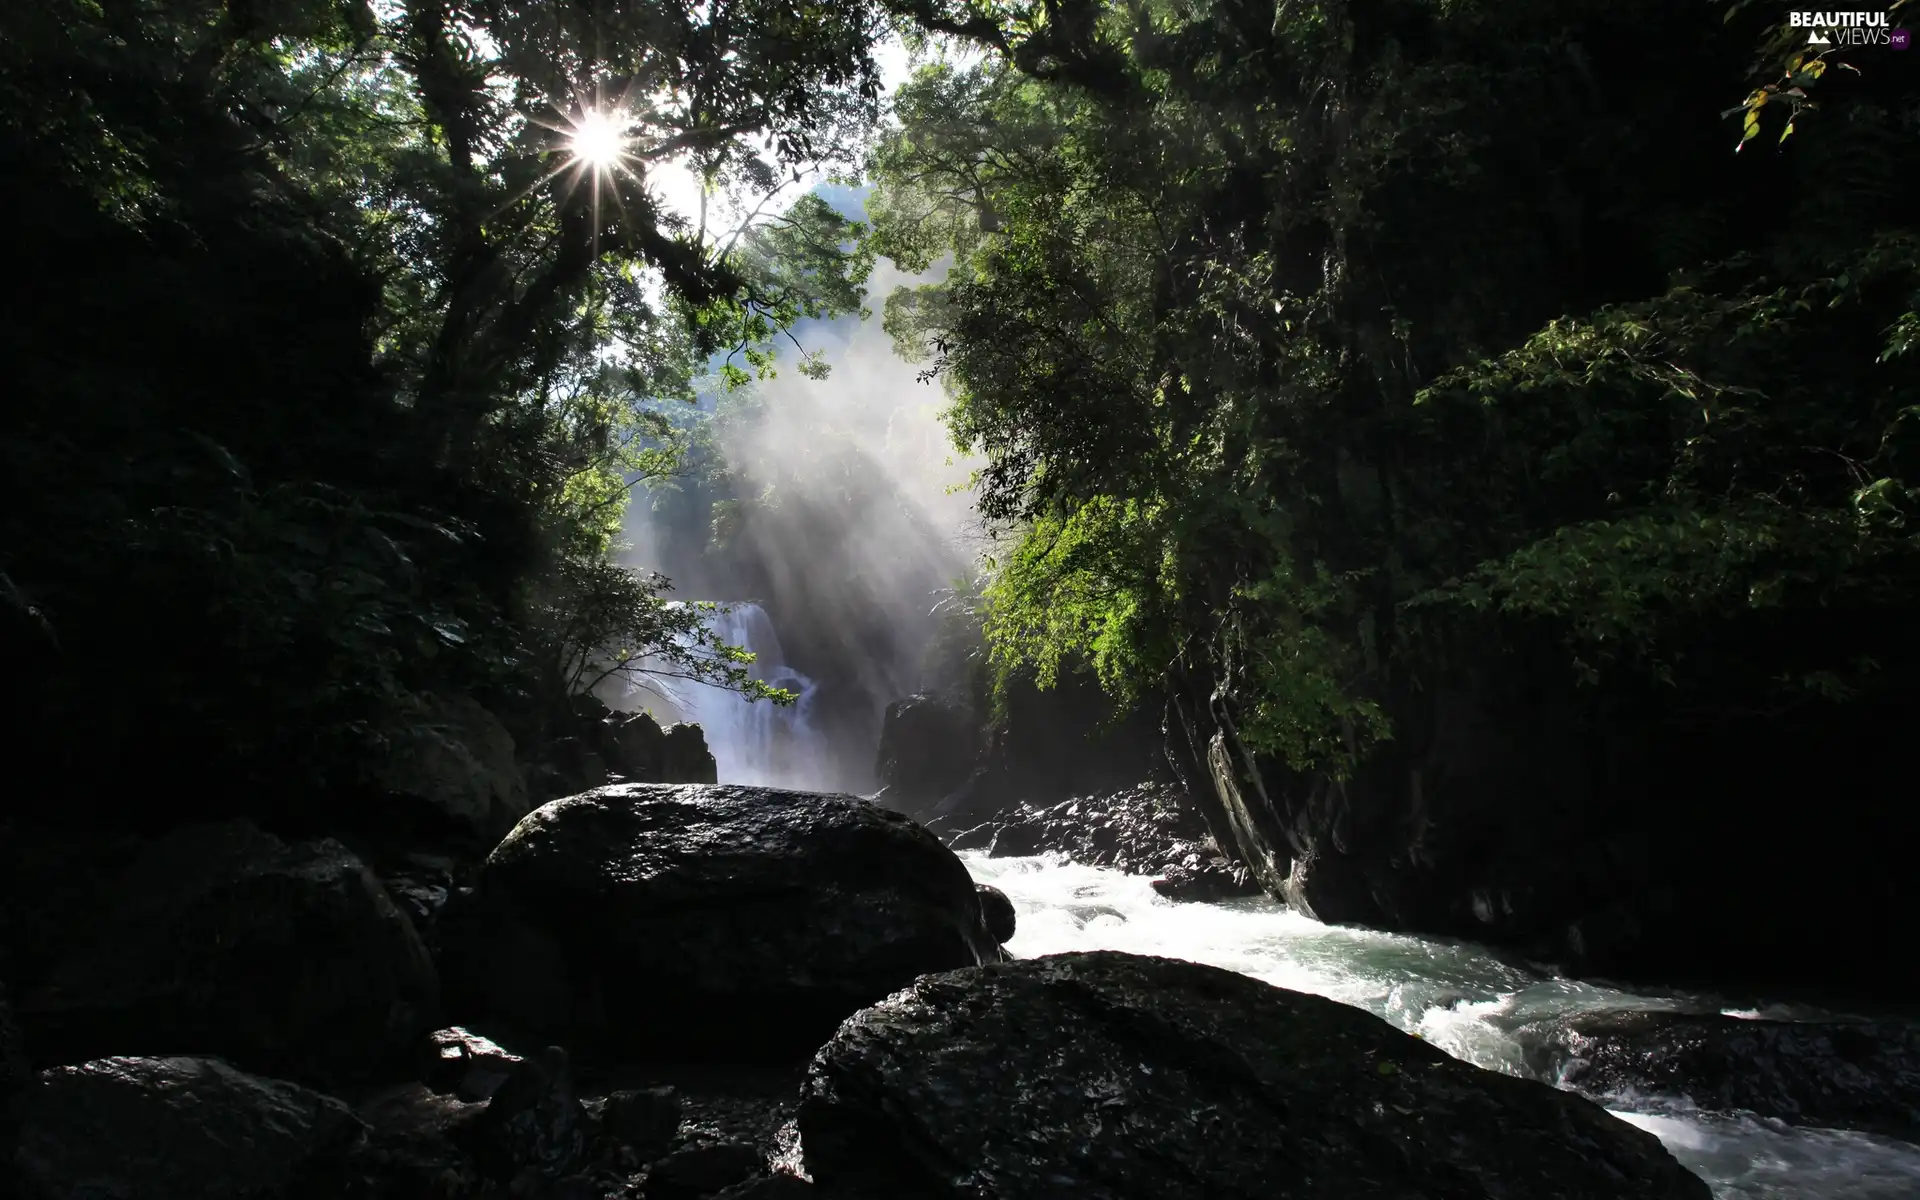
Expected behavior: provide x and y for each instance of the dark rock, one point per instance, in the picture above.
(534, 1129)
(637, 749)
(15, 1076)
(997, 911)
(773, 1187)
(467, 1065)
(1850, 1075)
(286, 959)
(458, 758)
(1107, 1076)
(633, 746)
(421, 885)
(1205, 879)
(55, 885)
(180, 1129)
(1142, 829)
(699, 1171)
(687, 758)
(714, 921)
(927, 749)
(417, 1145)
(645, 1120)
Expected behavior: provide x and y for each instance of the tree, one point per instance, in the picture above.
(1320, 356)
(337, 355)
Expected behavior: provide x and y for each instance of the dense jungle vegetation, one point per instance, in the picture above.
(1320, 352)
(1314, 349)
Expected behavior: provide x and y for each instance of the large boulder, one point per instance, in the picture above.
(288, 959)
(711, 920)
(179, 1129)
(458, 759)
(1852, 1075)
(1107, 1076)
(927, 749)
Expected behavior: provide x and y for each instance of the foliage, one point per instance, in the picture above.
(1319, 354)
(335, 364)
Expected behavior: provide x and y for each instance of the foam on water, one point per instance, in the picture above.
(1465, 999)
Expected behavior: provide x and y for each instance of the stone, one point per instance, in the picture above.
(1205, 879)
(699, 1171)
(15, 1076)
(417, 1145)
(687, 758)
(1143, 830)
(459, 759)
(645, 1120)
(1848, 1075)
(637, 749)
(180, 1129)
(534, 1126)
(1108, 1076)
(997, 911)
(467, 1065)
(634, 746)
(713, 921)
(779, 1186)
(927, 749)
(286, 959)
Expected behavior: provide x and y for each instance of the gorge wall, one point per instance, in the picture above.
(1626, 833)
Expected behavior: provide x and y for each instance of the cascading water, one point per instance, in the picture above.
(758, 742)
(1461, 998)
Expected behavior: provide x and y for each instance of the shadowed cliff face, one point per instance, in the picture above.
(1615, 834)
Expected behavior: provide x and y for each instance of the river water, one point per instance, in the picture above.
(1462, 998)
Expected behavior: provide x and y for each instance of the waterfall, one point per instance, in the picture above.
(759, 742)
(754, 742)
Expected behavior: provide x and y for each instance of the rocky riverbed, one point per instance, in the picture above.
(681, 992)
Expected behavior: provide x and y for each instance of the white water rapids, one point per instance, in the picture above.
(1461, 998)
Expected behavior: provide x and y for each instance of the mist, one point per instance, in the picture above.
(844, 516)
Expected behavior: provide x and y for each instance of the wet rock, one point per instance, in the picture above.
(998, 913)
(1147, 829)
(1862, 1076)
(645, 1120)
(533, 1132)
(700, 1171)
(287, 959)
(1107, 1076)
(927, 749)
(701, 921)
(772, 1187)
(180, 1129)
(467, 1065)
(1205, 879)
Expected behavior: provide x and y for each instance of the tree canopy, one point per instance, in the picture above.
(1322, 351)
(333, 360)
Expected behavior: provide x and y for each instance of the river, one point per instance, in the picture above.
(1462, 998)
